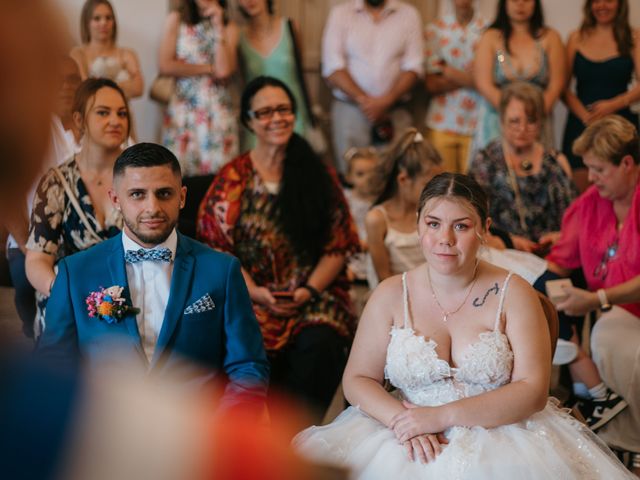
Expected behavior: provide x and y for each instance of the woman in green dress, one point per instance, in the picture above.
(267, 48)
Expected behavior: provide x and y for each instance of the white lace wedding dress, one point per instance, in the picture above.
(548, 445)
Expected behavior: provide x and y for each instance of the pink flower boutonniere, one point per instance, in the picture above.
(109, 305)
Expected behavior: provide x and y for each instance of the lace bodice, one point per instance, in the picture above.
(414, 367)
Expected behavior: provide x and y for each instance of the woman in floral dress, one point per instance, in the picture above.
(71, 209)
(199, 49)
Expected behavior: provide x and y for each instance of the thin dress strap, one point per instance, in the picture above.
(384, 213)
(405, 300)
(501, 304)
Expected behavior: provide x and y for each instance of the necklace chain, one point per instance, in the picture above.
(446, 314)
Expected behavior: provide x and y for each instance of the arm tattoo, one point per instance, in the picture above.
(478, 303)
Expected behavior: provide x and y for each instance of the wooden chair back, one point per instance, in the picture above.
(551, 314)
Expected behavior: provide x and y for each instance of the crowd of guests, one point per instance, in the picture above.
(314, 239)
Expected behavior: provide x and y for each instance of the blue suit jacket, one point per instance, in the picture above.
(225, 339)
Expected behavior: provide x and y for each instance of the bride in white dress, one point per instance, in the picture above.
(467, 347)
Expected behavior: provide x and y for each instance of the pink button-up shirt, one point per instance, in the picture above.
(589, 230)
(374, 53)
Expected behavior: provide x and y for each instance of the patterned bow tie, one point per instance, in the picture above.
(156, 254)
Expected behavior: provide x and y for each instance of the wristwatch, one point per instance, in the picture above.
(605, 306)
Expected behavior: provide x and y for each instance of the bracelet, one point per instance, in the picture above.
(315, 294)
(605, 305)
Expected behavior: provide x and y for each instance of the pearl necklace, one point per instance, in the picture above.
(446, 314)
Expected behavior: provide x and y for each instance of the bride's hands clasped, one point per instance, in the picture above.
(425, 447)
(410, 427)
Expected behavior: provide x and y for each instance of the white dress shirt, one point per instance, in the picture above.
(374, 53)
(150, 285)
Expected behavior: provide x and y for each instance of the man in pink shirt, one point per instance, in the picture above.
(372, 56)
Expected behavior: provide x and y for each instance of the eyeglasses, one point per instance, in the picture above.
(528, 124)
(267, 113)
(602, 268)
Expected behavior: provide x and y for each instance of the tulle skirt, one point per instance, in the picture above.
(548, 445)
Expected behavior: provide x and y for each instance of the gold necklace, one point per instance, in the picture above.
(446, 314)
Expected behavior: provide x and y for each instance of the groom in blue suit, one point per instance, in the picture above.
(173, 305)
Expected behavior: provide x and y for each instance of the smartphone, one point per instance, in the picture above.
(283, 297)
(555, 290)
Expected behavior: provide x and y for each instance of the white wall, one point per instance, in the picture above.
(140, 27)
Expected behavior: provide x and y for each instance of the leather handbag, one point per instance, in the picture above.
(162, 89)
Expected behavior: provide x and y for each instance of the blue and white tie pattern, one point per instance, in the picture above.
(155, 254)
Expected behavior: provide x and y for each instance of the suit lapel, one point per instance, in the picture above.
(118, 273)
(180, 287)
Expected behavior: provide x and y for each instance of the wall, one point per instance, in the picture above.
(140, 25)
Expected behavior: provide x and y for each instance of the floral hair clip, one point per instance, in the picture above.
(109, 305)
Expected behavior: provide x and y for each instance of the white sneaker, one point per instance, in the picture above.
(566, 352)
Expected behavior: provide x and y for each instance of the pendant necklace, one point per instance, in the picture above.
(446, 314)
(526, 165)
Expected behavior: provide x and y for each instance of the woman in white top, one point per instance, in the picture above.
(99, 56)
(391, 224)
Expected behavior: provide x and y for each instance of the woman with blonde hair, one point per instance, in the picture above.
(603, 56)
(394, 246)
(600, 235)
(71, 209)
(99, 56)
(529, 186)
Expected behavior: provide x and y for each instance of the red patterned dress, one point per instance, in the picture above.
(237, 216)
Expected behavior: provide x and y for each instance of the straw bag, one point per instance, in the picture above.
(162, 89)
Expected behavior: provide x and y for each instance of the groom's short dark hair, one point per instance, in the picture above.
(146, 155)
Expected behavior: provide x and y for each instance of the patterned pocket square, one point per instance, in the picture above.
(203, 304)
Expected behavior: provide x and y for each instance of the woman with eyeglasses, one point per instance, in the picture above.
(281, 211)
(266, 47)
(530, 187)
(600, 234)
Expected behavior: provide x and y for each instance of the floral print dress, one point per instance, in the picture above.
(544, 196)
(56, 227)
(200, 125)
(237, 216)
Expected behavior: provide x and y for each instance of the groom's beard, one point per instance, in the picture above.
(151, 237)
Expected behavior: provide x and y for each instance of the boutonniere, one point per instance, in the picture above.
(109, 305)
